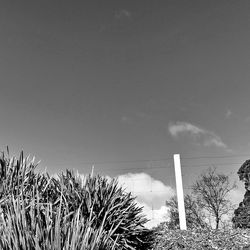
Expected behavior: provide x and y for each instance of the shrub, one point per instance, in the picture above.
(206, 238)
(42, 212)
(241, 217)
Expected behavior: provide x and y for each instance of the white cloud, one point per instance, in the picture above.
(155, 216)
(145, 188)
(198, 134)
(150, 194)
(237, 195)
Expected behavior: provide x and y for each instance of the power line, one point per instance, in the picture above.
(212, 164)
(170, 166)
(217, 165)
(125, 161)
(167, 166)
(215, 157)
(160, 159)
(142, 168)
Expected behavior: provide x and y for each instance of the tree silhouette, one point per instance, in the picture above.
(195, 217)
(212, 190)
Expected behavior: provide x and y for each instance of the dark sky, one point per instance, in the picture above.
(100, 81)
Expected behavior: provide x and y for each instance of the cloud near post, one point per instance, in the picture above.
(197, 134)
(151, 195)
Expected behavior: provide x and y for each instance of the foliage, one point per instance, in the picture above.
(200, 239)
(244, 173)
(69, 212)
(211, 190)
(195, 217)
(241, 217)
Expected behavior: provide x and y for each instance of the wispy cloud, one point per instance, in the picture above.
(228, 113)
(143, 115)
(123, 14)
(135, 117)
(126, 119)
(197, 134)
(178, 128)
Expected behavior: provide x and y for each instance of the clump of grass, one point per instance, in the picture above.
(42, 212)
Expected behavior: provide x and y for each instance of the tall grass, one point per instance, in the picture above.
(42, 212)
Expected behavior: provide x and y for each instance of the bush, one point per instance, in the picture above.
(69, 212)
(200, 239)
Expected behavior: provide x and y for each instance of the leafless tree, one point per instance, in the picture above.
(211, 191)
(194, 215)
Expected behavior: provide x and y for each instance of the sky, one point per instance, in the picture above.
(124, 85)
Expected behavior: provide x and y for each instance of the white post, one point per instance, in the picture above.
(179, 189)
(92, 170)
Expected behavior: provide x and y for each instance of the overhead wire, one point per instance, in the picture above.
(214, 157)
(183, 157)
(218, 164)
(167, 159)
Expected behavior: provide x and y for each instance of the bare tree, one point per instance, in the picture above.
(194, 215)
(212, 190)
